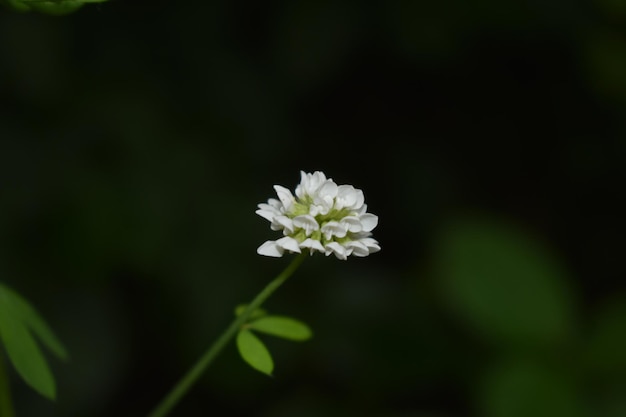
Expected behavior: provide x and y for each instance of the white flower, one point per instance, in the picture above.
(321, 217)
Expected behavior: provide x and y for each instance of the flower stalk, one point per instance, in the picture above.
(181, 388)
(321, 217)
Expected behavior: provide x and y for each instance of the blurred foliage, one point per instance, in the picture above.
(504, 283)
(51, 7)
(19, 322)
(525, 388)
(137, 137)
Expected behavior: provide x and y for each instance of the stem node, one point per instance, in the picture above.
(181, 388)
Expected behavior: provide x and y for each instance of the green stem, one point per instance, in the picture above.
(205, 360)
(6, 405)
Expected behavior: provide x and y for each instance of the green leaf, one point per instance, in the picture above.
(18, 322)
(504, 283)
(282, 326)
(524, 387)
(259, 312)
(29, 316)
(17, 5)
(52, 7)
(23, 351)
(55, 8)
(254, 352)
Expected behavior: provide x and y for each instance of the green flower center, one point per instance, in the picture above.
(302, 206)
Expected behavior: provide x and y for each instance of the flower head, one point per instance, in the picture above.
(322, 216)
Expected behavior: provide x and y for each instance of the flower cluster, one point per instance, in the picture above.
(322, 216)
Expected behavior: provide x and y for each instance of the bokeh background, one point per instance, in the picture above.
(137, 137)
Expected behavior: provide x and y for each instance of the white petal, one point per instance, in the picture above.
(283, 222)
(360, 199)
(339, 251)
(301, 188)
(306, 222)
(325, 197)
(267, 212)
(315, 181)
(285, 196)
(358, 248)
(267, 215)
(371, 244)
(312, 245)
(275, 203)
(346, 197)
(369, 221)
(309, 183)
(352, 224)
(334, 228)
(314, 210)
(328, 190)
(320, 207)
(289, 244)
(270, 248)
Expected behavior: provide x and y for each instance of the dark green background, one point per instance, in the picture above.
(137, 137)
